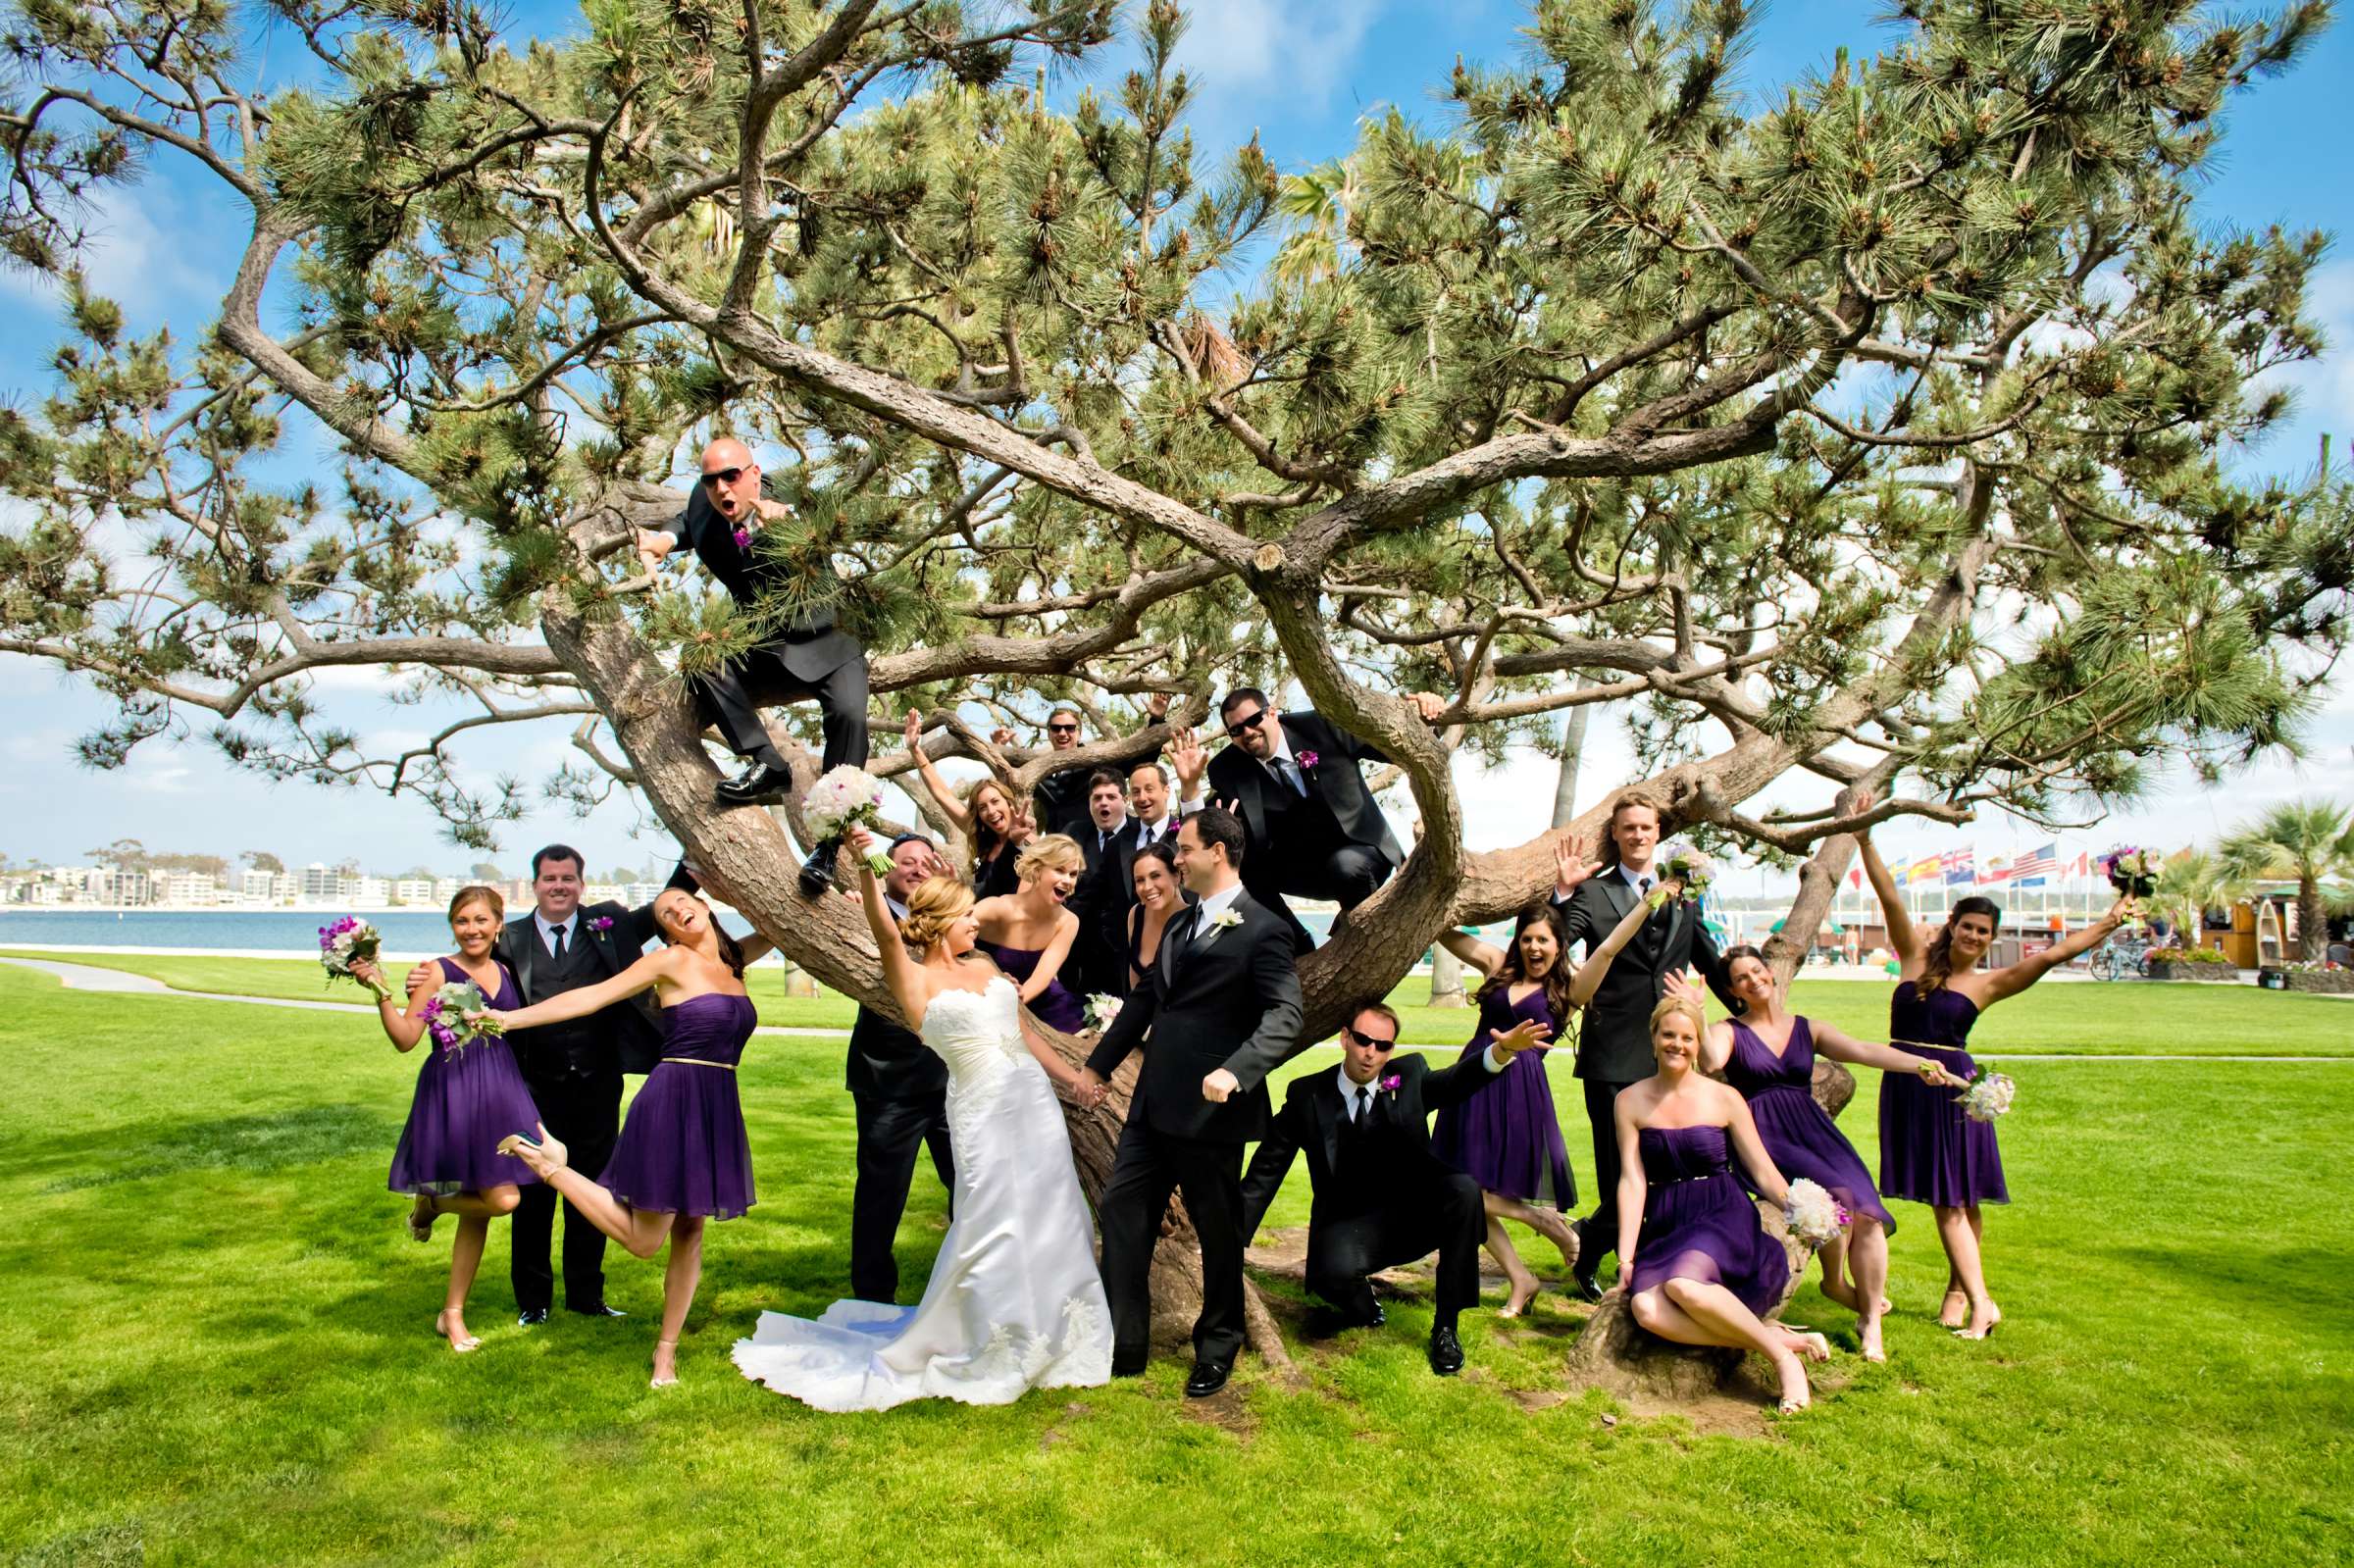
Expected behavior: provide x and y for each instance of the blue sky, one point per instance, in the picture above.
(1300, 75)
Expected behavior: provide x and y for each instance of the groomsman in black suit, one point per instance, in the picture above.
(1222, 1010)
(1381, 1197)
(1315, 829)
(1614, 1035)
(1101, 964)
(1061, 796)
(900, 1088)
(1111, 886)
(574, 1070)
(811, 657)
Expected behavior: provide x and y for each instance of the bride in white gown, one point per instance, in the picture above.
(1014, 1303)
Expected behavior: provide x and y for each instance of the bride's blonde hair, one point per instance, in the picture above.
(937, 903)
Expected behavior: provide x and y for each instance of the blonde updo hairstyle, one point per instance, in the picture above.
(1671, 1004)
(937, 903)
(1054, 851)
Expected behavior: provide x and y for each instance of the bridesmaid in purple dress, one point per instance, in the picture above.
(1694, 1258)
(1507, 1138)
(1769, 1054)
(1929, 1151)
(683, 1158)
(1029, 932)
(465, 1100)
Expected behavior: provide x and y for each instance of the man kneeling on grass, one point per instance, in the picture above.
(1381, 1198)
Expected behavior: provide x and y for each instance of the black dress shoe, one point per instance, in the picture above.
(600, 1310)
(1446, 1353)
(1581, 1286)
(758, 782)
(817, 872)
(1207, 1379)
(531, 1317)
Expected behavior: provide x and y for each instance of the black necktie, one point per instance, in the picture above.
(557, 932)
(1291, 775)
(1365, 1102)
(1642, 886)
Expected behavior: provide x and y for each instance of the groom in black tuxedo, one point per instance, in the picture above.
(1381, 1198)
(1316, 830)
(1615, 1036)
(574, 1070)
(1222, 1010)
(810, 657)
(900, 1088)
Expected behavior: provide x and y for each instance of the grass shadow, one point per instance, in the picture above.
(257, 1144)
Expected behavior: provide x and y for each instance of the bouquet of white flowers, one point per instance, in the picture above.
(2132, 870)
(349, 941)
(1811, 1214)
(1686, 864)
(847, 798)
(1989, 1097)
(452, 1016)
(1101, 1009)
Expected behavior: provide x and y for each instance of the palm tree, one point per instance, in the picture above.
(2302, 841)
(2191, 884)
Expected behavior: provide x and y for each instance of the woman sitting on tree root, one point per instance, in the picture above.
(1696, 1264)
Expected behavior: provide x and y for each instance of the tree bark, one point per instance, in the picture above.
(1574, 747)
(1446, 980)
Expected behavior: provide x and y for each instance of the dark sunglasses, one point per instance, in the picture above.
(1372, 1043)
(725, 475)
(1062, 728)
(1234, 730)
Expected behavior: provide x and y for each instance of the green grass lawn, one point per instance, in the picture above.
(2123, 1019)
(221, 1352)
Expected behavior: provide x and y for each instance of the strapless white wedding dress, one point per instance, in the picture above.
(1014, 1303)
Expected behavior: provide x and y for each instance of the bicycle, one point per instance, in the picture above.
(2123, 954)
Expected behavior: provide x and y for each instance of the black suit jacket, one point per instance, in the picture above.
(1614, 1039)
(811, 644)
(1311, 1119)
(1059, 800)
(1335, 781)
(626, 1036)
(1230, 1000)
(889, 1061)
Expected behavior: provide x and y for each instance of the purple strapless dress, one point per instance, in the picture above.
(1798, 1133)
(466, 1101)
(1699, 1223)
(683, 1149)
(1507, 1138)
(1929, 1151)
(1056, 1006)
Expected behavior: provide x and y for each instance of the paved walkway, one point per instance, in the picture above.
(90, 976)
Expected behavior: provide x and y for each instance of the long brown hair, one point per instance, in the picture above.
(985, 840)
(1938, 964)
(1513, 970)
(1609, 840)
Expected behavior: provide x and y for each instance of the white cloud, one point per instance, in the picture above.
(136, 254)
(1240, 53)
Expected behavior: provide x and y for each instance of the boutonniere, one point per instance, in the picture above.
(1389, 1084)
(743, 539)
(601, 924)
(1307, 760)
(1219, 921)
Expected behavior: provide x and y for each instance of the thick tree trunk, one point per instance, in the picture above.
(747, 860)
(2313, 922)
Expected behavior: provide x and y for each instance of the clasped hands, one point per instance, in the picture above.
(1089, 1089)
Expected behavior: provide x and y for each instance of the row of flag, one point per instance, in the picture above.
(1960, 868)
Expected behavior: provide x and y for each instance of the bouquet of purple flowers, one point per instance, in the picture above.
(456, 1016)
(345, 943)
(2132, 871)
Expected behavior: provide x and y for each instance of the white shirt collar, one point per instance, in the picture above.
(1214, 905)
(1283, 745)
(1636, 880)
(1348, 1088)
(1106, 834)
(548, 932)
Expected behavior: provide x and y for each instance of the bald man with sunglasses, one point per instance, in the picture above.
(810, 658)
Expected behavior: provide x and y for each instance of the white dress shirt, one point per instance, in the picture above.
(1212, 906)
(1350, 1085)
(570, 925)
(1642, 883)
